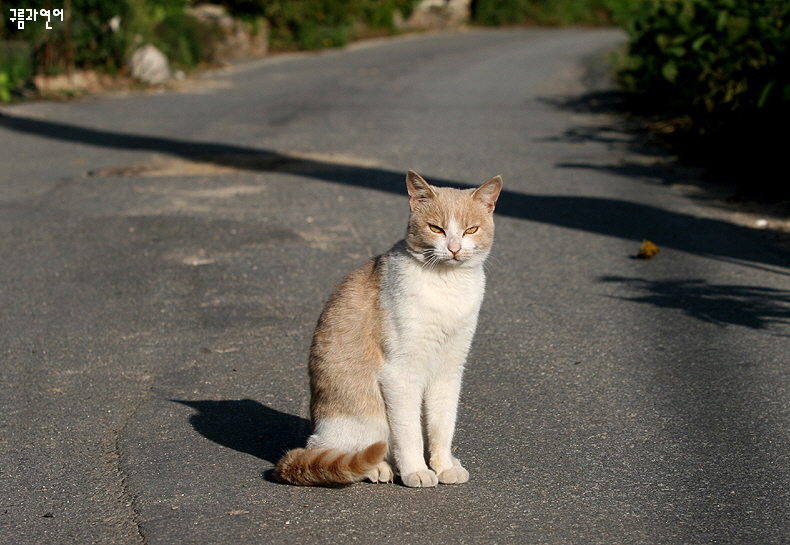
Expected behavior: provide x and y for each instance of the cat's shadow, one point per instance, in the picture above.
(248, 426)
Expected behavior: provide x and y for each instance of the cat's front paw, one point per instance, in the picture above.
(382, 473)
(454, 475)
(420, 479)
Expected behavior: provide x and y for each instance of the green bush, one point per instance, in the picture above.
(309, 24)
(185, 41)
(97, 42)
(551, 12)
(16, 66)
(720, 71)
(715, 61)
(313, 24)
(94, 43)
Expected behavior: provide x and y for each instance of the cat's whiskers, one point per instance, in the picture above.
(487, 264)
(431, 259)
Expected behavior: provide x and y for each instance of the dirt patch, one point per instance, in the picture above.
(225, 164)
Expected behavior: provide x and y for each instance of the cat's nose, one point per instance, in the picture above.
(454, 246)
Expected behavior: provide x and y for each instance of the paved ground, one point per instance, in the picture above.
(164, 257)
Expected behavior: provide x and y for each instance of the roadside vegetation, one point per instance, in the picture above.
(102, 34)
(712, 76)
(553, 12)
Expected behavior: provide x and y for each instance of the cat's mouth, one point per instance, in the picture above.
(453, 260)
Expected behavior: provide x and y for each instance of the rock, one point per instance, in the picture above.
(238, 40)
(437, 14)
(150, 65)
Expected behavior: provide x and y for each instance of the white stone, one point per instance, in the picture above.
(440, 13)
(150, 65)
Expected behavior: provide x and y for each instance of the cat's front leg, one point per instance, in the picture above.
(404, 407)
(456, 474)
(441, 406)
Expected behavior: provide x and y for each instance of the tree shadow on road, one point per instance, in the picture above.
(658, 163)
(610, 217)
(721, 304)
(248, 426)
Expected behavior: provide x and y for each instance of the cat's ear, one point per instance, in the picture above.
(488, 193)
(419, 189)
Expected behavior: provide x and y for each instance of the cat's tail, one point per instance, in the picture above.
(326, 466)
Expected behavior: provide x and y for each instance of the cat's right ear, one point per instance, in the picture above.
(488, 193)
(419, 189)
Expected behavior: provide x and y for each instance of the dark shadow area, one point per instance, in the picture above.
(610, 217)
(248, 426)
(746, 165)
(752, 307)
(622, 130)
(605, 101)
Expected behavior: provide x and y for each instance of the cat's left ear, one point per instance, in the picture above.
(488, 193)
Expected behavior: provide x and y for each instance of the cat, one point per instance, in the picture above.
(390, 346)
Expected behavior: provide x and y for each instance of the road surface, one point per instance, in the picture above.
(164, 257)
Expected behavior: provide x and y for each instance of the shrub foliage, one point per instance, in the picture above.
(715, 61)
(102, 33)
(719, 72)
(313, 24)
(551, 12)
(92, 42)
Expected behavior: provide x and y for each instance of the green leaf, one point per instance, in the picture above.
(765, 93)
(670, 71)
(5, 93)
(721, 20)
(676, 51)
(737, 27)
(699, 42)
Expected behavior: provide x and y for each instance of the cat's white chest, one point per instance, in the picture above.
(452, 294)
(435, 301)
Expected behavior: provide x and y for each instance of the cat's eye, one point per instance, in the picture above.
(435, 228)
(471, 230)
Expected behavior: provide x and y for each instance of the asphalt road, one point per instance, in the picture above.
(164, 257)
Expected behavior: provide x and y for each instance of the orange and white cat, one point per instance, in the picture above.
(390, 347)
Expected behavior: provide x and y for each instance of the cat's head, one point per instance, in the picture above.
(450, 227)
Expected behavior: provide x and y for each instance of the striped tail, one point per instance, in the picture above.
(325, 466)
